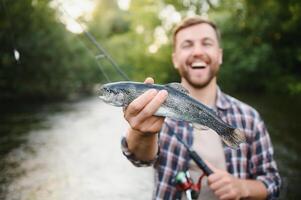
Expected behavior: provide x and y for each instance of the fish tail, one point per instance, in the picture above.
(234, 138)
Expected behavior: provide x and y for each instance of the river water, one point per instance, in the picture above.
(71, 151)
(74, 154)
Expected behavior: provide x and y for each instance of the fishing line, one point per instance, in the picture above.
(103, 53)
(96, 57)
(100, 66)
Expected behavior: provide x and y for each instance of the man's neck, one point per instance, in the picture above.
(206, 95)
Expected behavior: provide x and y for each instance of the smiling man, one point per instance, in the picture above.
(247, 172)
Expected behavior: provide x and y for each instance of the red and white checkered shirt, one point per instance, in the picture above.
(252, 160)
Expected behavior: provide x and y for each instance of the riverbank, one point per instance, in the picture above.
(76, 155)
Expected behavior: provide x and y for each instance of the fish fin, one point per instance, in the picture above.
(234, 138)
(199, 127)
(178, 87)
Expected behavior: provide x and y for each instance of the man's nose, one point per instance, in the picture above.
(198, 50)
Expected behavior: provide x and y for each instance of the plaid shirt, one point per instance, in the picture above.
(252, 160)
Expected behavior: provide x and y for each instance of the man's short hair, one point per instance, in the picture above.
(191, 21)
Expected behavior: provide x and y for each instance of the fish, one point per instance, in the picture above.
(179, 105)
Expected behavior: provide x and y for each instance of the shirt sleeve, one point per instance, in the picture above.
(263, 164)
(131, 157)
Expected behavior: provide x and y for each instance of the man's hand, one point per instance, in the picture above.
(139, 113)
(142, 139)
(226, 186)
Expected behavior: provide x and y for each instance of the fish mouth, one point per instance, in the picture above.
(104, 94)
(111, 97)
(102, 97)
(101, 93)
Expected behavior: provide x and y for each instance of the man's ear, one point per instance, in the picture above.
(174, 60)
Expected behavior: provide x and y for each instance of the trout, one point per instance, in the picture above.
(178, 105)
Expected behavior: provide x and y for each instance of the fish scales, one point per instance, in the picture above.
(178, 105)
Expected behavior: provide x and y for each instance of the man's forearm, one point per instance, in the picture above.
(143, 145)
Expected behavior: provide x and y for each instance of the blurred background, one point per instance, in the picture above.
(49, 70)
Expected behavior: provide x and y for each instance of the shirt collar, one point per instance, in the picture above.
(222, 102)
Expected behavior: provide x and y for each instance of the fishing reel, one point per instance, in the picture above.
(183, 182)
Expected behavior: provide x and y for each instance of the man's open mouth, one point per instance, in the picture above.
(198, 65)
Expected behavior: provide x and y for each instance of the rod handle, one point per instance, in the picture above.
(200, 162)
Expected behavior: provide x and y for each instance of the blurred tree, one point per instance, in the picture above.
(51, 65)
(128, 35)
(261, 43)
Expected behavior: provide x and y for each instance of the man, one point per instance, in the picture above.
(247, 172)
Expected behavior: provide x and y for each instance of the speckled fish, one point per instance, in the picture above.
(178, 105)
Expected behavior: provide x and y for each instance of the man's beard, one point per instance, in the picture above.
(198, 84)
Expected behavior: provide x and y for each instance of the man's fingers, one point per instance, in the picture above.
(154, 104)
(148, 80)
(221, 191)
(153, 124)
(146, 114)
(157, 124)
(139, 103)
(217, 182)
(140, 113)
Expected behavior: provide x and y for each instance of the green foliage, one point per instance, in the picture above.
(129, 47)
(262, 46)
(261, 42)
(50, 65)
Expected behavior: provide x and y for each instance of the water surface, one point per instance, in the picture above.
(74, 153)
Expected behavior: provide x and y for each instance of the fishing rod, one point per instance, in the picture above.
(195, 157)
(98, 63)
(103, 53)
(183, 180)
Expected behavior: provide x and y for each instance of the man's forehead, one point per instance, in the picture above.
(198, 31)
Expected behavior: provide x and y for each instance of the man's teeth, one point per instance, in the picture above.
(198, 65)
